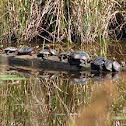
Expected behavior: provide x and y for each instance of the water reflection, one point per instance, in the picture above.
(51, 97)
(77, 77)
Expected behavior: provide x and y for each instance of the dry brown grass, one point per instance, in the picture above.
(57, 21)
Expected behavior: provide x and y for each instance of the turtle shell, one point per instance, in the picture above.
(108, 65)
(11, 49)
(79, 57)
(98, 63)
(44, 53)
(25, 50)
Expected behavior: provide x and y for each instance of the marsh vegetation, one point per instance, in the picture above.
(61, 22)
(34, 97)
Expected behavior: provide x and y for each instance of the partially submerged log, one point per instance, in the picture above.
(52, 63)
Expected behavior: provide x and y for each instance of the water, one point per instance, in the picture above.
(47, 97)
(55, 98)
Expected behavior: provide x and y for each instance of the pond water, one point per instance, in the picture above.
(34, 97)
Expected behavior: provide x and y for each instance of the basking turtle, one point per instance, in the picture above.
(10, 50)
(53, 52)
(78, 57)
(116, 67)
(26, 51)
(98, 64)
(103, 64)
(44, 53)
(63, 56)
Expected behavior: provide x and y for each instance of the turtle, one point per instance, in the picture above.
(98, 64)
(116, 67)
(26, 51)
(112, 66)
(10, 50)
(53, 52)
(63, 56)
(44, 53)
(103, 64)
(79, 57)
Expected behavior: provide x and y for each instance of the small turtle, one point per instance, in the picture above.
(103, 64)
(98, 63)
(44, 53)
(53, 52)
(63, 56)
(79, 57)
(116, 67)
(112, 66)
(10, 50)
(26, 51)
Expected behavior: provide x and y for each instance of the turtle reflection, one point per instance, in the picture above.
(74, 77)
(100, 77)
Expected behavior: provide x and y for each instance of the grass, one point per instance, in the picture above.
(36, 100)
(57, 21)
(11, 77)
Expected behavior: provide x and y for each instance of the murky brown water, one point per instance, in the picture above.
(61, 97)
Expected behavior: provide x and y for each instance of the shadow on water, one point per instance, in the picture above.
(36, 97)
(76, 77)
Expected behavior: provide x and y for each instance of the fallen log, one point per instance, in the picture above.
(51, 63)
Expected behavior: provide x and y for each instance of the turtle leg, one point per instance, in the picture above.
(30, 53)
(15, 54)
(8, 52)
(61, 58)
(47, 56)
(78, 66)
(100, 68)
(44, 56)
(82, 61)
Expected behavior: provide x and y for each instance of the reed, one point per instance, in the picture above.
(56, 21)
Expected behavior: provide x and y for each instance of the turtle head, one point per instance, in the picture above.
(116, 66)
(95, 54)
(89, 60)
(123, 63)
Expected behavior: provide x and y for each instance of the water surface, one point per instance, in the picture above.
(35, 97)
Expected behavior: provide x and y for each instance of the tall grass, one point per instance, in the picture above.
(56, 21)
